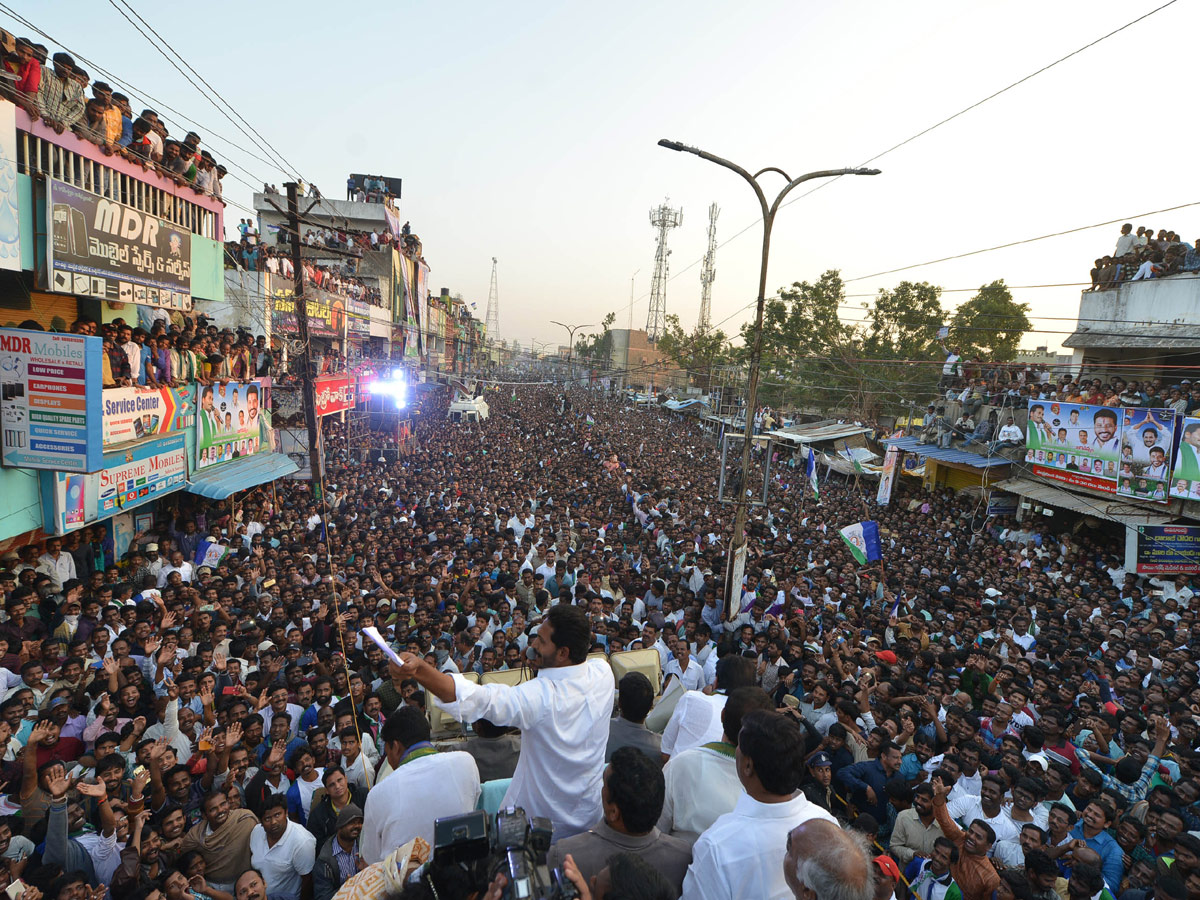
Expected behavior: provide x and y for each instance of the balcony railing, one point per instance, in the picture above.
(66, 157)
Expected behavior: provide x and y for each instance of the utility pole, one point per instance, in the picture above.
(316, 459)
(736, 564)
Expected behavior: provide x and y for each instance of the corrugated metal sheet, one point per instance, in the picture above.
(818, 431)
(1112, 510)
(1151, 339)
(949, 455)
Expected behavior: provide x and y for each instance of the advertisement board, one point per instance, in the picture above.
(293, 443)
(232, 422)
(358, 317)
(326, 312)
(1147, 436)
(333, 393)
(104, 249)
(50, 387)
(1002, 503)
(1185, 475)
(136, 413)
(1168, 549)
(128, 478)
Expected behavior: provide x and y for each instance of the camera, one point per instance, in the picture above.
(470, 848)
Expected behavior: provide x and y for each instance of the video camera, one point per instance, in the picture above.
(516, 846)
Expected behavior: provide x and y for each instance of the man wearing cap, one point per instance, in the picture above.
(820, 789)
(339, 859)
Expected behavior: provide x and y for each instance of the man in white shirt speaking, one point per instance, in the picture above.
(563, 715)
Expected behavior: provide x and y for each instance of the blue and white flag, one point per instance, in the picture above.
(863, 540)
(812, 472)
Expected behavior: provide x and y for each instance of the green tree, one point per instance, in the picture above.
(900, 336)
(990, 324)
(697, 352)
(597, 348)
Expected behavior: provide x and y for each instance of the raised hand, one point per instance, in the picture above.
(277, 754)
(218, 661)
(233, 734)
(110, 666)
(206, 697)
(58, 784)
(140, 781)
(39, 733)
(96, 789)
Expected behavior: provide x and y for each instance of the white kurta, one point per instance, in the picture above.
(563, 715)
(741, 855)
(404, 805)
(696, 720)
(701, 786)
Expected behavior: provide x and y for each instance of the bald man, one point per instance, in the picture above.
(821, 854)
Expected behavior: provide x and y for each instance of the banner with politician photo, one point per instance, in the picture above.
(1144, 468)
(1074, 443)
(1185, 476)
(231, 422)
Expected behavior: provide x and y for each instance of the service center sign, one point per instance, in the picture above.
(333, 393)
(49, 391)
(1168, 549)
(104, 249)
(135, 413)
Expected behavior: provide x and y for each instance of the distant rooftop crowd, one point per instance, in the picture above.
(56, 94)
(1142, 255)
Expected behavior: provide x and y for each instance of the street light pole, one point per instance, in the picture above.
(736, 566)
(571, 329)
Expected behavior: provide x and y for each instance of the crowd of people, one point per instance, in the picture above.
(994, 710)
(54, 89)
(1142, 255)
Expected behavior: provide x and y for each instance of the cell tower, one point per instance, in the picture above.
(708, 271)
(664, 218)
(493, 310)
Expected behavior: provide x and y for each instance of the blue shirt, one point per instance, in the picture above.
(1111, 855)
(868, 774)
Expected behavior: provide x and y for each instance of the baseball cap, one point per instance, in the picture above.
(152, 548)
(821, 761)
(886, 656)
(349, 813)
(887, 866)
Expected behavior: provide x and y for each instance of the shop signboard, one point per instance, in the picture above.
(326, 312)
(136, 413)
(231, 422)
(104, 249)
(127, 479)
(333, 393)
(1168, 549)
(50, 386)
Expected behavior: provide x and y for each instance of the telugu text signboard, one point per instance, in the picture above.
(104, 249)
(50, 387)
(135, 413)
(326, 312)
(333, 393)
(1168, 549)
(128, 478)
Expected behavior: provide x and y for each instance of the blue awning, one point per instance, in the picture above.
(948, 454)
(218, 482)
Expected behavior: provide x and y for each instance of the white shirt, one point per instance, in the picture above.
(59, 569)
(563, 716)
(185, 572)
(268, 714)
(692, 679)
(283, 865)
(403, 805)
(702, 785)
(741, 855)
(695, 720)
(968, 808)
(1011, 433)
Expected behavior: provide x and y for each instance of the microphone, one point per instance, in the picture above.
(531, 654)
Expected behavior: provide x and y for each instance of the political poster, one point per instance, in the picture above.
(1168, 549)
(232, 422)
(887, 477)
(1144, 468)
(136, 413)
(103, 249)
(1185, 474)
(1074, 443)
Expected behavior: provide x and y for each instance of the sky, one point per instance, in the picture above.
(528, 132)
